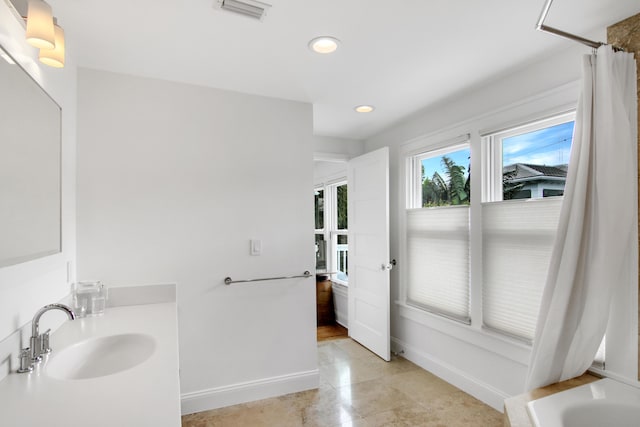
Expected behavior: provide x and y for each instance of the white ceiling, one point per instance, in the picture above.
(399, 55)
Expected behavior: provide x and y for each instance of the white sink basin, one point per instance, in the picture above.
(98, 357)
(602, 403)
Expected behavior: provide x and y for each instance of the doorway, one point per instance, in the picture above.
(354, 229)
(327, 326)
(331, 248)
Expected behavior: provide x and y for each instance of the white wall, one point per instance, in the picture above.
(26, 287)
(481, 363)
(331, 156)
(326, 172)
(325, 146)
(173, 182)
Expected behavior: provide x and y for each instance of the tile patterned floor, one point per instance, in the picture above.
(357, 389)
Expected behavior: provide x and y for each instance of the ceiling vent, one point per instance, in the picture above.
(251, 8)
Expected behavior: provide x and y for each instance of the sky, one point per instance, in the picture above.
(550, 146)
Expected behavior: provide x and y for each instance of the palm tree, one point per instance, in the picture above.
(456, 181)
(438, 191)
(434, 191)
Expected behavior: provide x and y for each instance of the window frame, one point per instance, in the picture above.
(331, 230)
(413, 201)
(492, 170)
(491, 146)
(321, 231)
(480, 152)
(334, 231)
(621, 333)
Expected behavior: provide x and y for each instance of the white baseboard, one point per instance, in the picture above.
(342, 319)
(476, 388)
(234, 394)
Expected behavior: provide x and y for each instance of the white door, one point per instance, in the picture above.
(368, 213)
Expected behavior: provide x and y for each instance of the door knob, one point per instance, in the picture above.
(388, 267)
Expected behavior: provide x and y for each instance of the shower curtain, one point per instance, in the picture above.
(596, 244)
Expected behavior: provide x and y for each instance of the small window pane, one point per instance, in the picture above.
(446, 180)
(341, 193)
(321, 252)
(552, 193)
(342, 259)
(319, 209)
(534, 164)
(521, 194)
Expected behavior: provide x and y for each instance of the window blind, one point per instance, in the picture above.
(438, 260)
(518, 239)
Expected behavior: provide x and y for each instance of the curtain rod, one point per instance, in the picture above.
(545, 28)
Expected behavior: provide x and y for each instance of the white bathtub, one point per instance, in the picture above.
(602, 403)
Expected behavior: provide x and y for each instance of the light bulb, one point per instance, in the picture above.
(324, 44)
(364, 108)
(40, 32)
(54, 57)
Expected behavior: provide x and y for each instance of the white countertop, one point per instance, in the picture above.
(145, 395)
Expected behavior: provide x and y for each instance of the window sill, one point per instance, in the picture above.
(340, 282)
(476, 336)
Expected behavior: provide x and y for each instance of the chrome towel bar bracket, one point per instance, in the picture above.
(229, 280)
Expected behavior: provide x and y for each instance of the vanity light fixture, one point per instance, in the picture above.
(44, 33)
(324, 44)
(54, 57)
(40, 32)
(364, 108)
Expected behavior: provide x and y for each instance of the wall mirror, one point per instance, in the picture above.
(30, 167)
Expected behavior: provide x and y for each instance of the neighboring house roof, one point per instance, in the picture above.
(528, 172)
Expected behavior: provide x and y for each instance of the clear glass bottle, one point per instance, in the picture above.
(89, 298)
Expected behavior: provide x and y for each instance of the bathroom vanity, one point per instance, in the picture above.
(117, 369)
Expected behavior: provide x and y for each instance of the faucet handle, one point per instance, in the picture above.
(35, 344)
(44, 342)
(25, 361)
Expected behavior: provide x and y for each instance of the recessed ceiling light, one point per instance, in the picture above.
(364, 108)
(324, 44)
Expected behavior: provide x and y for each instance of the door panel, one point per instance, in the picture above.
(369, 294)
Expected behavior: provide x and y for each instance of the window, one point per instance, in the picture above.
(321, 246)
(530, 161)
(517, 240)
(445, 178)
(338, 232)
(437, 221)
(525, 162)
(522, 170)
(319, 208)
(321, 253)
(332, 231)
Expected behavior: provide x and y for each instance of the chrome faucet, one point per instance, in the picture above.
(39, 343)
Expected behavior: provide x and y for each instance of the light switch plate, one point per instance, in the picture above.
(256, 247)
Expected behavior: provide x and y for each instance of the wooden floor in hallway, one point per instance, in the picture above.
(331, 332)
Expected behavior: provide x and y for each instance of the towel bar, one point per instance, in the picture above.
(228, 280)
